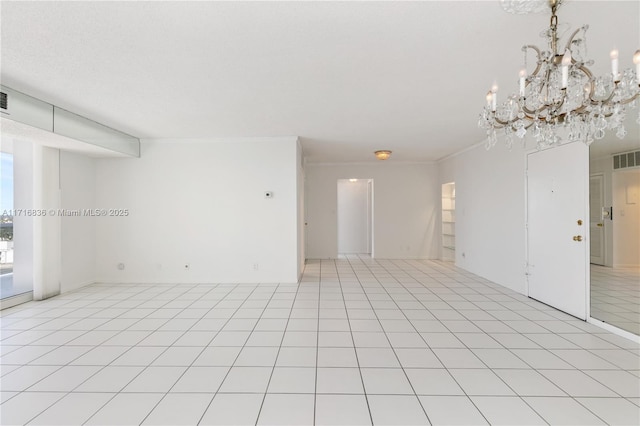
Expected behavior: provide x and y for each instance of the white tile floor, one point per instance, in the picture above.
(358, 341)
(615, 296)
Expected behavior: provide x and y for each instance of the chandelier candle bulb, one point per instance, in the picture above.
(614, 64)
(489, 98)
(636, 60)
(522, 75)
(566, 61)
(494, 97)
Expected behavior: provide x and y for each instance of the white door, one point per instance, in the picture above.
(557, 232)
(596, 220)
(352, 216)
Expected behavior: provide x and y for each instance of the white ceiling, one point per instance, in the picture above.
(347, 77)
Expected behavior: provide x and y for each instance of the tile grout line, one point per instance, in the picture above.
(355, 350)
(392, 347)
(275, 362)
(54, 371)
(516, 394)
(155, 358)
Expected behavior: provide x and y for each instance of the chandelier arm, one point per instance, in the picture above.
(592, 87)
(510, 123)
(528, 116)
(631, 99)
(571, 39)
(502, 123)
(533, 114)
(530, 113)
(539, 55)
(529, 119)
(604, 101)
(543, 86)
(560, 117)
(580, 110)
(623, 102)
(592, 83)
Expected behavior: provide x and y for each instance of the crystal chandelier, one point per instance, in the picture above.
(561, 96)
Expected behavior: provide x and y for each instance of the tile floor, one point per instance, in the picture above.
(615, 296)
(357, 341)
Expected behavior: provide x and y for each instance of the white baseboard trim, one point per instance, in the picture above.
(615, 330)
(76, 287)
(18, 299)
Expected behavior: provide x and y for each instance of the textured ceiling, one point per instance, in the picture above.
(347, 77)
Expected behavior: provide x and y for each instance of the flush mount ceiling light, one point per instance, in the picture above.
(561, 92)
(382, 154)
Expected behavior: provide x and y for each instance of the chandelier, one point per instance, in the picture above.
(561, 96)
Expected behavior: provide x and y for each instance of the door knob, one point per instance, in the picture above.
(577, 238)
(600, 225)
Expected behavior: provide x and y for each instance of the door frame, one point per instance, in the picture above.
(370, 217)
(587, 264)
(604, 228)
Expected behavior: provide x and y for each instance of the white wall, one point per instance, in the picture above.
(353, 209)
(405, 211)
(300, 205)
(78, 242)
(47, 229)
(626, 218)
(36, 236)
(490, 212)
(200, 202)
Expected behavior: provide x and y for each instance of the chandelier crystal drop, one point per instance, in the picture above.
(561, 96)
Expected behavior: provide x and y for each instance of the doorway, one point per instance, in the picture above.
(449, 222)
(355, 217)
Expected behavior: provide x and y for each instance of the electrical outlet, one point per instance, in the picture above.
(256, 267)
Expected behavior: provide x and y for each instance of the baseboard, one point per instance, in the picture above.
(64, 290)
(18, 299)
(615, 330)
(622, 266)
